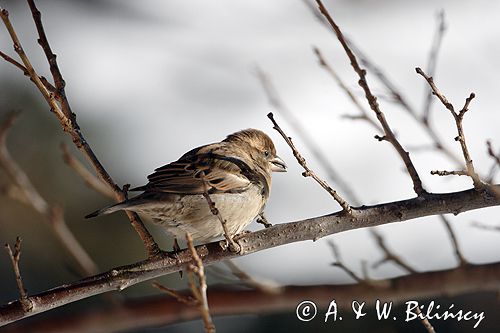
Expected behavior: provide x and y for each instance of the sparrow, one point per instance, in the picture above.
(236, 175)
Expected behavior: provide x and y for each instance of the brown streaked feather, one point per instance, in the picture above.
(185, 176)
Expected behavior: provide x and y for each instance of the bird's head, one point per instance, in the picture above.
(260, 149)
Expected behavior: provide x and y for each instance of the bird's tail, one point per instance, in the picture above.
(108, 210)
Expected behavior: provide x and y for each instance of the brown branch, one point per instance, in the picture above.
(276, 102)
(389, 255)
(17, 64)
(496, 162)
(200, 290)
(372, 101)
(89, 179)
(185, 299)
(449, 173)
(269, 287)
(456, 248)
(495, 157)
(53, 215)
(432, 61)
(231, 244)
(363, 114)
(14, 258)
(59, 105)
(485, 226)
(401, 100)
(478, 184)
(314, 228)
(340, 263)
(308, 172)
(160, 311)
(425, 321)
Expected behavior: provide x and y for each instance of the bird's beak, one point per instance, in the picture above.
(278, 165)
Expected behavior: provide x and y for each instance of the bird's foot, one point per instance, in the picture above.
(232, 244)
(263, 220)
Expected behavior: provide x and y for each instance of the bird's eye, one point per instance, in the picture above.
(266, 153)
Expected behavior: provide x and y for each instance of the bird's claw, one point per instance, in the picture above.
(263, 220)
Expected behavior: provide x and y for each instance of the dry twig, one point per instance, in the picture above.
(308, 172)
(53, 215)
(340, 263)
(14, 258)
(199, 291)
(456, 248)
(432, 61)
(372, 101)
(59, 105)
(363, 114)
(276, 102)
(231, 244)
(485, 226)
(269, 287)
(458, 116)
(89, 179)
(449, 173)
(185, 299)
(389, 255)
(496, 162)
(425, 322)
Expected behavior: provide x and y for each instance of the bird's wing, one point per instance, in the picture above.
(200, 170)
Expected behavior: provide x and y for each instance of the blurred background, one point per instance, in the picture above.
(150, 80)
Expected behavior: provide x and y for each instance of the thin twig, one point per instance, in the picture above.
(308, 172)
(59, 105)
(340, 263)
(425, 321)
(449, 173)
(458, 117)
(372, 101)
(17, 64)
(185, 299)
(389, 255)
(200, 291)
(399, 98)
(276, 102)
(269, 287)
(432, 61)
(89, 179)
(363, 114)
(52, 214)
(496, 162)
(495, 157)
(486, 227)
(456, 248)
(231, 244)
(14, 258)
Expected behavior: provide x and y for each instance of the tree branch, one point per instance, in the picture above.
(314, 228)
(363, 114)
(52, 214)
(458, 117)
(89, 179)
(372, 101)
(160, 311)
(14, 258)
(276, 102)
(59, 105)
(308, 172)
(432, 61)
